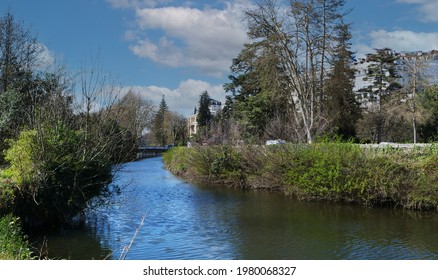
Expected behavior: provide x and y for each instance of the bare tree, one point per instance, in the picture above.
(416, 69)
(134, 113)
(295, 35)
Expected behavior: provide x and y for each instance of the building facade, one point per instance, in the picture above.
(363, 84)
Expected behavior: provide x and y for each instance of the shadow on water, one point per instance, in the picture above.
(185, 221)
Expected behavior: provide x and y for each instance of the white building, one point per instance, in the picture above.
(402, 65)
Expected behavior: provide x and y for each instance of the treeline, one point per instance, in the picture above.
(295, 81)
(62, 136)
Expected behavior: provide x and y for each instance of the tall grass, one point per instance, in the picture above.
(13, 243)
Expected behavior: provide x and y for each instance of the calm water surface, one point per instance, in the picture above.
(186, 221)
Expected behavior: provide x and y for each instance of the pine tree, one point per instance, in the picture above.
(160, 123)
(383, 72)
(341, 100)
(204, 115)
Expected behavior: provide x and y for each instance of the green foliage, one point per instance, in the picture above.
(327, 170)
(53, 175)
(160, 130)
(176, 160)
(13, 243)
(425, 193)
(212, 163)
(339, 171)
(204, 115)
(7, 193)
(429, 100)
(321, 170)
(339, 88)
(21, 169)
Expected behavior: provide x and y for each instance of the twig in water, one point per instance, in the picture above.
(127, 248)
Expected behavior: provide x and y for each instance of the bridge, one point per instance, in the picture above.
(150, 151)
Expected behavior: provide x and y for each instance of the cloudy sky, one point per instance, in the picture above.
(182, 48)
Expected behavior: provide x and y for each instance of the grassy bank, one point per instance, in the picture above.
(340, 172)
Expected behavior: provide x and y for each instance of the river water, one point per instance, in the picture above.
(186, 221)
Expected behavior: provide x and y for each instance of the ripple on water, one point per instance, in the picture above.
(185, 221)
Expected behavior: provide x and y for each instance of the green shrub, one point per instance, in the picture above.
(213, 162)
(54, 175)
(322, 170)
(19, 155)
(176, 160)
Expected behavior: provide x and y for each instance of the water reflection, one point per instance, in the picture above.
(184, 221)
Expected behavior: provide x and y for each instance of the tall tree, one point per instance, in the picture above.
(330, 19)
(204, 115)
(257, 90)
(19, 56)
(301, 48)
(416, 72)
(160, 130)
(19, 52)
(382, 71)
(341, 100)
(178, 128)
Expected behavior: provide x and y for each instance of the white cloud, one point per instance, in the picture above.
(404, 40)
(45, 58)
(182, 99)
(206, 39)
(428, 8)
(136, 3)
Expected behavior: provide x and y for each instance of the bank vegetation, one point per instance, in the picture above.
(327, 171)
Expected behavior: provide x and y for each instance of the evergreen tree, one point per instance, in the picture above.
(383, 72)
(341, 100)
(257, 87)
(204, 115)
(160, 123)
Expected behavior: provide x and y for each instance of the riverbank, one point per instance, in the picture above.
(338, 172)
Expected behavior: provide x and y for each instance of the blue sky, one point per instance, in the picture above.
(181, 48)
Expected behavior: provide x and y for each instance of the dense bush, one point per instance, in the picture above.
(210, 163)
(176, 160)
(52, 175)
